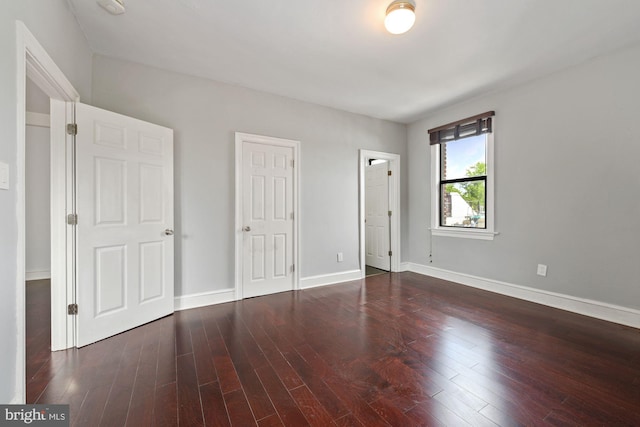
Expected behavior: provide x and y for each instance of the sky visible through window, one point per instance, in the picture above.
(463, 154)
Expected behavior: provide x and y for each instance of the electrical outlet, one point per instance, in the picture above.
(542, 270)
(340, 257)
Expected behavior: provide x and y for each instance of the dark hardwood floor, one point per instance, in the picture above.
(372, 271)
(394, 349)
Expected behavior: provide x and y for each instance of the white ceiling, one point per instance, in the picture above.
(337, 52)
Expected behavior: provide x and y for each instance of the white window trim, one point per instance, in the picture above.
(465, 233)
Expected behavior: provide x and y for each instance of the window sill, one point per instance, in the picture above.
(464, 233)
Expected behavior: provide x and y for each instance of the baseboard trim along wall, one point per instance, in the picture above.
(330, 279)
(37, 275)
(186, 302)
(599, 310)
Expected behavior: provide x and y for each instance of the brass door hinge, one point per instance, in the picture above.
(72, 309)
(72, 219)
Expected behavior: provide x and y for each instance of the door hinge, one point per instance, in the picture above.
(293, 268)
(390, 253)
(72, 309)
(72, 219)
(389, 213)
(291, 215)
(293, 163)
(389, 173)
(72, 128)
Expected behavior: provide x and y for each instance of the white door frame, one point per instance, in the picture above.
(394, 205)
(34, 62)
(279, 142)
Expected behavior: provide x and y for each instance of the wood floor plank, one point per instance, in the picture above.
(117, 408)
(225, 370)
(331, 403)
(215, 411)
(189, 406)
(165, 411)
(184, 321)
(143, 395)
(253, 389)
(166, 372)
(92, 407)
(238, 409)
(205, 368)
(348, 420)
(271, 421)
(311, 407)
(271, 353)
(465, 406)
(286, 407)
(393, 415)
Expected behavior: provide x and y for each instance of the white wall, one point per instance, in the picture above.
(567, 152)
(37, 200)
(204, 115)
(56, 29)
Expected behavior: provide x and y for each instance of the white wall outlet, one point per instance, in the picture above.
(340, 257)
(4, 176)
(542, 270)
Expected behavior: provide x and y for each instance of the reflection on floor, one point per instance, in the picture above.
(372, 271)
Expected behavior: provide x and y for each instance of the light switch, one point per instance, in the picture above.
(4, 176)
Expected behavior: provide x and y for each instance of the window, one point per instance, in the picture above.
(462, 178)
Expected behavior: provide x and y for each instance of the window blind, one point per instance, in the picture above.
(471, 126)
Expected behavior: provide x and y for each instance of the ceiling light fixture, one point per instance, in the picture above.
(114, 7)
(400, 17)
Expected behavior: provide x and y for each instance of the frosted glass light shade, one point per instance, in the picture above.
(400, 17)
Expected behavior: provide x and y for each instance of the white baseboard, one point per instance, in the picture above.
(37, 119)
(599, 310)
(185, 302)
(330, 279)
(404, 266)
(203, 299)
(37, 275)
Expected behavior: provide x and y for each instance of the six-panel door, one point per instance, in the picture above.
(267, 211)
(124, 175)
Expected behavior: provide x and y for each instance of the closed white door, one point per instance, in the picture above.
(377, 239)
(267, 218)
(124, 256)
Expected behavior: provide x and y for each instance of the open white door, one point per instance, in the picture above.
(124, 255)
(267, 215)
(377, 237)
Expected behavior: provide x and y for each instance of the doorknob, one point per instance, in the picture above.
(247, 228)
(168, 232)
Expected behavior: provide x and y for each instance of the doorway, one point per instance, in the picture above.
(377, 216)
(380, 221)
(38, 66)
(37, 191)
(37, 232)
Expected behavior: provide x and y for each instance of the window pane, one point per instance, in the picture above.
(464, 158)
(463, 204)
